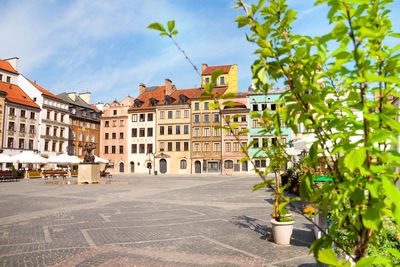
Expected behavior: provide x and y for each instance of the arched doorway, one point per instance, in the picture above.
(121, 167)
(244, 166)
(132, 166)
(197, 167)
(163, 165)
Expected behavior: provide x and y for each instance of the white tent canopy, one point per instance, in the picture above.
(5, 158)
(28, 157)
(64, 159)
(100, 160)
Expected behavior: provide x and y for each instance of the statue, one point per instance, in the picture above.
(89, 157)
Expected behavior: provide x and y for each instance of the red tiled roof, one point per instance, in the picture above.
(94, 107)
(189, 93)
(158, 94)
(4, 65)
(216, 91)
(44, 91)
(209, 70)
(16, 95)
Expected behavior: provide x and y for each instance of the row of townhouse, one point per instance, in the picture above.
(34, 119)
(169, 130)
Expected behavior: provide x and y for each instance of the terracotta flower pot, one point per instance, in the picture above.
(282, 231)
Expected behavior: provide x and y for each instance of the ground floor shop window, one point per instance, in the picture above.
(183, 164)
(228, 164)
(212, 166)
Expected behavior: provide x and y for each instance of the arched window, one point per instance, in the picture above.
(228, 164)
(183, 164)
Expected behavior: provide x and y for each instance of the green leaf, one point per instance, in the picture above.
(394, 252)
(394, 194)
(175, 32)
(371, 218)
(365, 262)
(156, 26)
(171, 25)
(327, 256)
(264, 184)
(355, 159)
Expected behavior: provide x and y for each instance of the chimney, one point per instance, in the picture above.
(203, 67)
(85, 97)
(169, 87)
(142, 88)
(13, 62)
(72, 96)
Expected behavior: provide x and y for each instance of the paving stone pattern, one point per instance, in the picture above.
(202, 220)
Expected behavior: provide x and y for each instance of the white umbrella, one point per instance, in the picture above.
(293, 151)
(28, 157)
(64, 158)
(304, 143)
(100, 160)
(5, 158)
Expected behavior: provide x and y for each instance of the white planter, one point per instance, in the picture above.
(282, 231)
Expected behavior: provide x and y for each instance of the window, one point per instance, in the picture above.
(228, 164)
(87, 138)
(55, 116)
(150, 117)
(169, 114)
(114, 112)
(196, 132)
(11, 111)
(206, 106)
(121, 123)
(235, 119)
(255, 107)
(217, 147)
(1, 77)
(206, 118)
(185, 129)
(121, 135)
(11, 126)
(255, 124)
(134, 117)
(142, 117)
(222, 80)
(228, 147)
(183, 164)
(23, 113)
(21, 143)
(177, 129)
(22, 127)
(62, 118)
(197, 106)
(212, 165)
(80, 124)
(149, 148)
(46, 145)
(255, 144)
(244, 144)
(178, 114)
(244, 118)
(161, 146)
(263, 163)
(142, 132)
(236, 146)
(114, 135)
(48, 115)
(8, 79)
(32, 115)
(31, 129)
(206, 132)
(216, 117)
(134, 132)
(113, 149)
(79, 151)
(30, 145)
(186, 114)
(169, 146)
(73, 136)
(206, 147)
(217, 132)
(48, 131)
(196, 147)
(274, 141)
(53, 146)
(178, 146)
(273, 106)
(264, 142)
(161, 130)
(169, 130)
(207, 80)
(162, 114)
(55, 131)
(263, 107)
(107, 124)
(141, 148)
(134, 148)
(185, 146)
(149, 132)
(92, 138)
(114, 123)
(197, 118)
(80, 136)
(121, 149)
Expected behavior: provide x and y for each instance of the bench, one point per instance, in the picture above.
(54, 173)
(105, 174)
(8, 176)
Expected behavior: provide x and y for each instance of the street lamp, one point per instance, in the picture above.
(149, 162)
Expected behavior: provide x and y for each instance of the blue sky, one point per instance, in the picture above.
(104, 47)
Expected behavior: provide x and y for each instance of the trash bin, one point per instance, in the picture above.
(155, 172)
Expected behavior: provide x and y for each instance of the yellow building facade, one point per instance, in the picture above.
(227, 79)
(2, 98)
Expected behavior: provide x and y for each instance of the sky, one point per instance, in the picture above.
(103, 47)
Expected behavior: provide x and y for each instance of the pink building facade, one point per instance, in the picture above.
(114, 135)
(231, 150)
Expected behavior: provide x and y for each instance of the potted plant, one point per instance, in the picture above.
(282, 226)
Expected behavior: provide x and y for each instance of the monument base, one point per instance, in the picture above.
(88, 173)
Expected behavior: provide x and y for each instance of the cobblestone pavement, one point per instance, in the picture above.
(203, 220)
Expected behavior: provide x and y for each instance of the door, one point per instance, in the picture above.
(121, 167)
(197, 167)
(132, 166)
(244, 166)
(163, 165)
